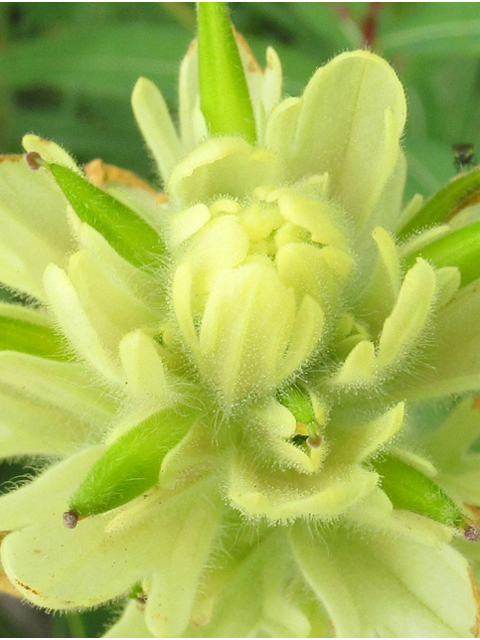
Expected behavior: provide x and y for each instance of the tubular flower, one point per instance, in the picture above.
(230, 384)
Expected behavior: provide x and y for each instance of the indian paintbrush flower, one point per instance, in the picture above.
(256, 394)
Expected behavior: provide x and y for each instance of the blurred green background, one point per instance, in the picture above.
(67, 71)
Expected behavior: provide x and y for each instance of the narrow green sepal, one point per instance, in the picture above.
(411, 490)
(460, 249)
(224, 96)
(129, 467)
(461, 192)
(28, 337)
(132, 237)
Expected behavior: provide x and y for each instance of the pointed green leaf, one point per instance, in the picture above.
(458, 249)
(461, 192)
(132, 237)
(129, 467)
(224, 96)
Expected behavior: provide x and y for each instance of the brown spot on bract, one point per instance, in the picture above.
(108, 175)
(193, 46)
(27, 588)
(476, 403)
(331, 628)
(270, 58)
(161, 198)
(14, 157)
(252, 64)
(301, 429)
(475, 513)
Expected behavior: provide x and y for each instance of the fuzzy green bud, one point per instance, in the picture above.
(129, 467)
(411, 490)
(132, 237)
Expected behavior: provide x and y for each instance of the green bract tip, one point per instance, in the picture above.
(224, 95)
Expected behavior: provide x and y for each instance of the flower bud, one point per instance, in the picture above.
(132, 237)
(224, 95)
(129, 467)
(411, 490)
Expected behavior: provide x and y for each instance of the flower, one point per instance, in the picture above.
(231, 384)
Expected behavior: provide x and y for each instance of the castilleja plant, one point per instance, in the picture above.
(255, 392)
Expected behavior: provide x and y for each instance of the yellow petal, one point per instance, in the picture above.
(156, 126)
(359, 367)
(131, 624)
(412, 585)
(352, 117)
(143, 367)
(404, 325)
(221, 166)
(75, 324)
(34, 226)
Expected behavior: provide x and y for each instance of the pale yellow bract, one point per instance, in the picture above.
(282, 269)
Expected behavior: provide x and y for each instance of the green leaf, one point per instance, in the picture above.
(103, 61)
(333, 27)
(133, 238)
(87, 73)
(224, 95)
(430, 166)
(434, 29)
(447, 91)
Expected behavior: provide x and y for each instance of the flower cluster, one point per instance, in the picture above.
(255, 391)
